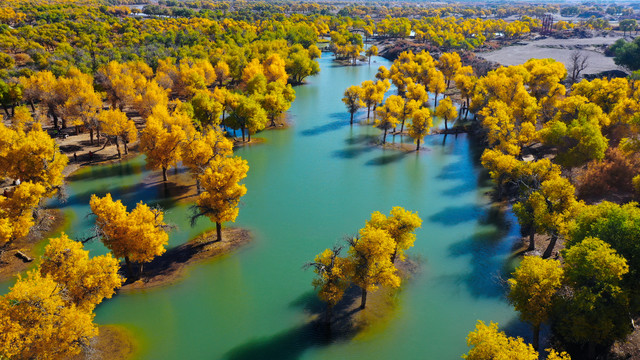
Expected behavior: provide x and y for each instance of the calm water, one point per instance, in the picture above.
(308, 186)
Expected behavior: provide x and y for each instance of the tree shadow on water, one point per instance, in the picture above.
(455, 215)
(487, 247)
(342, 121)
(286, 345)
(386, 159)
(292, 343)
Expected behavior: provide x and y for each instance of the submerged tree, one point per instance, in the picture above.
(332, 279)
(370, 257)
(353, 100)
(401, 226)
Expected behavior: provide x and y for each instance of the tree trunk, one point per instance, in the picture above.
(368, 111)
(164, 173)
(395, 253)
(118, 147)
(363, 302)
(198, 185)
(141, 268)
(98, 135)
(242, 130)
(591, 350)
(418, 146)
(126, 147)
(536, 336)
(532, 240)
(219, 231)
(552, 244)
(446, 125)
(351, 119)
(33, 108)
(248, 136)
(129, 269)
(402, 126)
(55, 118)
(384, 137)
(91, 136)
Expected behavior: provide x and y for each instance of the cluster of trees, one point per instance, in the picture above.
(626, 53)
(370, 260)
(588, 298)
(48, 314)
(414, 77)
(30, 158)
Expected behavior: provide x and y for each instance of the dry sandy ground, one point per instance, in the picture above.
(558, 49)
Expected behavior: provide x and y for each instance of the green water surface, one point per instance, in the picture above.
(308, 187)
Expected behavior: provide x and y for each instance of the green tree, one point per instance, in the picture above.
(596, 311)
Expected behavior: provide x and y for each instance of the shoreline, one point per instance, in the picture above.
(50, 222)
(171, 266)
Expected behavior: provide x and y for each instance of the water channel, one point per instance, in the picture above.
(309, 186)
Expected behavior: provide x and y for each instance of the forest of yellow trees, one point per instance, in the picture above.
(200, 90)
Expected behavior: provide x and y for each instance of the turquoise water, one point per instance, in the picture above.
(308, 186)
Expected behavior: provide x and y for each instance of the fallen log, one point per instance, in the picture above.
(22, 256)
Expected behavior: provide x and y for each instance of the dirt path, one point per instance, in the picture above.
(558, 49)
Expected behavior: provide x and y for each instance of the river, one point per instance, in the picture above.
(308, 187)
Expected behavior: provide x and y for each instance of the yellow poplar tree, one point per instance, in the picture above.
(161, 139)
(332, 277)
(31, 156)
(204, 148)
(17, 209)
(488, 343)
(353, 100)
(532, 290)
(390, 114)
(401, 225)
(420, 126)
(138, 236)
(447, 111)
(87, 281)
(449, 64)
(222, 191)
(370, 258)
(117, 124)
(37, 323)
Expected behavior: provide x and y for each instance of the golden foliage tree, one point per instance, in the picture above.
(420, 126)
(532, 290)
(488, 343)
(137, 236)
(401, 226)
(87, 281)
(332, 278)
(17, 211)
(162, 136)
(447, 111)
(36, 322)
(31, 155)
(117, 124)
(353, 100)
(222, 191)
(370, 257)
